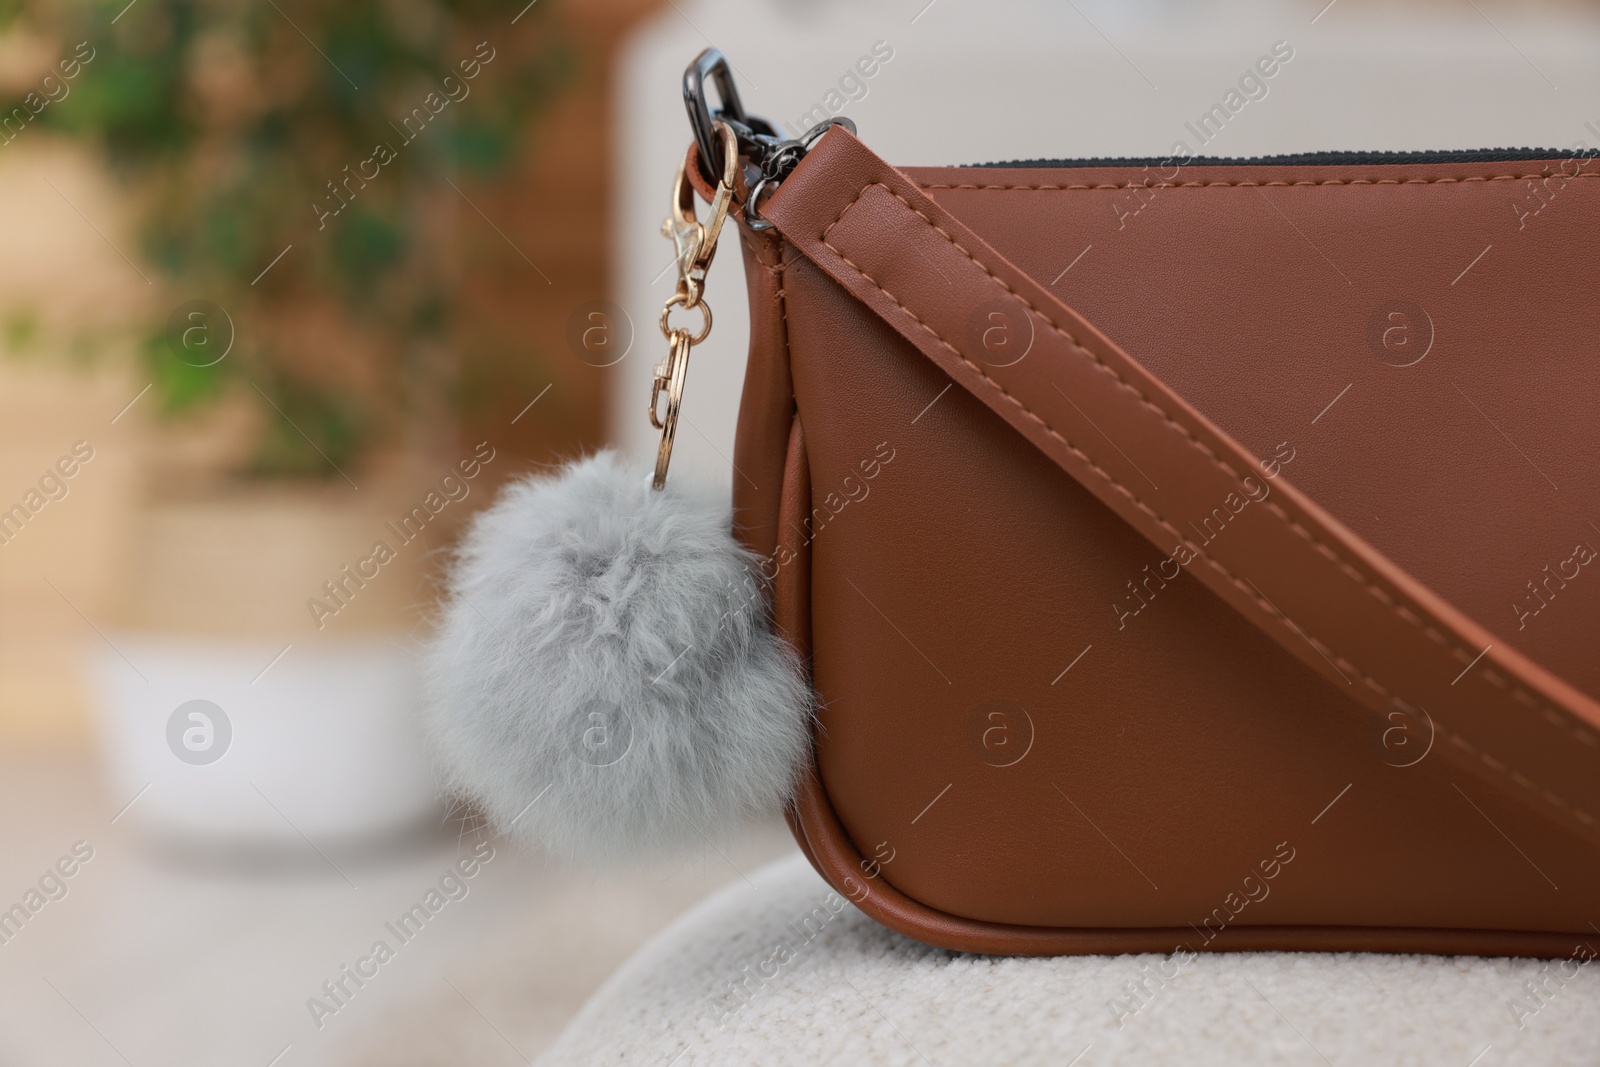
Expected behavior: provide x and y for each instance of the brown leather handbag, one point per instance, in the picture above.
(1188, 554)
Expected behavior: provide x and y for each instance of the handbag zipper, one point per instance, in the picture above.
(769, 157)
(1305, 159)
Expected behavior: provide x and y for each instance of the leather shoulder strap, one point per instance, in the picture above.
(1287, 565)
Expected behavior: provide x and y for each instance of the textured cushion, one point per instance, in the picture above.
(777, 969)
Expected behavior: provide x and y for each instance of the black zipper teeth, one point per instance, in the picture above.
(1304, 159)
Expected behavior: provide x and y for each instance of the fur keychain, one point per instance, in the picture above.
(604, 678)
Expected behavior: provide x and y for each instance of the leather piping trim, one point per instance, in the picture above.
(835, 856)
(791, 588)
(791, 605)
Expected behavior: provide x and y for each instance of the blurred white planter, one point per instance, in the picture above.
(322, 746)
(317, 747)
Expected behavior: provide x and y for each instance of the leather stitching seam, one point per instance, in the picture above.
(1244, 587)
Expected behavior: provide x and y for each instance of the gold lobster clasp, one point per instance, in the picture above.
(696, 244)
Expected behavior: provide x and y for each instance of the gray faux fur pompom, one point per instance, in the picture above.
(604, 679)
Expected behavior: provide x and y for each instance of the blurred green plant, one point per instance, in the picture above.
(245, 128)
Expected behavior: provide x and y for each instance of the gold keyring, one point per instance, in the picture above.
(678, 371)
(682, 300)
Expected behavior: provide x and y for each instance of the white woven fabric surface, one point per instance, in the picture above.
(778, 970)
